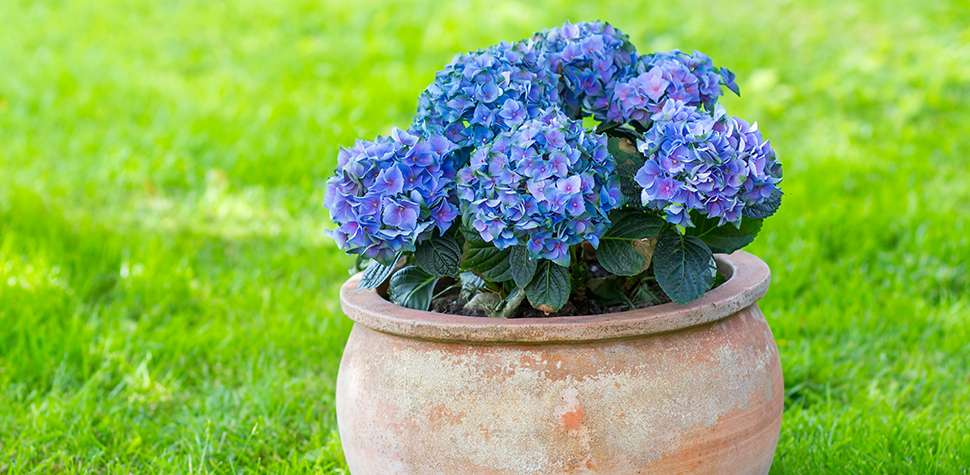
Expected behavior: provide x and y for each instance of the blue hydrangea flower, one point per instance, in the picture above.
(670, 76)
(486, 92)
(711, 163)
(590, 58)
(389, 194)
(546, 185)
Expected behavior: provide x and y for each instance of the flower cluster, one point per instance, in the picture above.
(486, 92)
(707, 162)
(591, 58)
(670, 76)
(388, 194)
(545, 184)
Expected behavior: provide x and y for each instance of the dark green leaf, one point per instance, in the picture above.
(490, 262)
(766, 208)
(550, 287)
(523, 267)
(619, 258)
(376, 273)
(684, 266)
(412, 287)
(472, 236)
(726, 238)
(615, 252)
(633, 224)
(607, 291)
(502, 271)
(643, 294)
(439, 256)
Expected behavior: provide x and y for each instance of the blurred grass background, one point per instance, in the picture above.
(168, 299)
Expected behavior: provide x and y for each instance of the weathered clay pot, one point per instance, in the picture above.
(667, 389)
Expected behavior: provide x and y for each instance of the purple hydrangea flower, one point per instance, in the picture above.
(389, 194)
(714, 164)
(486, 92)
(590, 58)
(545, 184)
(659, 78)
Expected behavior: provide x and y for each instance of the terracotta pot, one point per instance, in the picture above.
(666, 389)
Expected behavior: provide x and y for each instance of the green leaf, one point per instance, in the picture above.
(616, 252)
(607, 292)
(376, 273)
(490, 262)
(633, 224)
(523, 266)
(439, 256)
(550, 287)
(412, 287)
(493, 264)
(766, 208)
(725, 239)
(643, 294)
(684, 266)
(619, 258)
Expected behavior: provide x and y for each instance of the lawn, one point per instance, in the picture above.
(168, 300)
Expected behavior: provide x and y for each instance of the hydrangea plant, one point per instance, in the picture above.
(499, 201)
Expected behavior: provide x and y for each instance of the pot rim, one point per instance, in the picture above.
(747, 281)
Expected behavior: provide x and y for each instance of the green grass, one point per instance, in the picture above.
(168, 299)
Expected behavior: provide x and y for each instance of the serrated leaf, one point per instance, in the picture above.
(626, 177)
(550, 287)
(684, 266)
(522, 266)
(412, 287)
(633, 224)
(643, 294)
(493, 264)
(766, 208)
(727, 238)
(490, 262)
(616, 252)
(619, 257)
(376, 273)
(439, 256)
(472, 237)
(607, 291)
